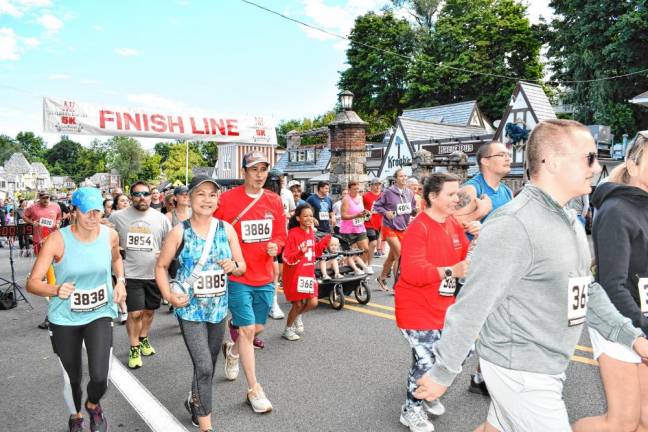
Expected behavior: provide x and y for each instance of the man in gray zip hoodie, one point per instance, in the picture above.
(527, 314)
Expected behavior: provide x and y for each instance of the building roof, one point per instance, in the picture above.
(421, 130)
(538, 101)
(322, 162)
(203, 170)
(40, 168)
(17, 164)
(641, 99)
(455, 114)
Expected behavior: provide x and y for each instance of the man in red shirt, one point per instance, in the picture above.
(45, 216)
(257, 215)
(375, 222)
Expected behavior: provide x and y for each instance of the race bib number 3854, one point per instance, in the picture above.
(577, 300)
(139, 241)
(89, 300)
(254, 231)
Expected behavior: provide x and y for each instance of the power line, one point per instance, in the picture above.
(440, 64)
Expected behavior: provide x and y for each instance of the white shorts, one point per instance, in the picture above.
(525, 401)
(615, 350)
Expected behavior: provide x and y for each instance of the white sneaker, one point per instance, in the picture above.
(257, 399)
(339, 276)
(416, 420)
(358, 272)
(326, 277)
(434, 407)
(231, 361)
(276, 312)
(369, 270)
(299, 325)
(290, 334)
(123, 317)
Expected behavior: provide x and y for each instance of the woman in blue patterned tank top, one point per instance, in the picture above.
(200, 293)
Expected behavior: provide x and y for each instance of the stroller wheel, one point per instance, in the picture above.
(336, 297)
(362, 292)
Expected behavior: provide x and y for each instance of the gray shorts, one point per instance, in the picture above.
(525, 401)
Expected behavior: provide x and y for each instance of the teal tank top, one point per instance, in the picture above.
(211, 308)
(88, 266)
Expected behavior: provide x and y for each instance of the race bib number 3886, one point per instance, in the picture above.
(254, 231)
(577, 300)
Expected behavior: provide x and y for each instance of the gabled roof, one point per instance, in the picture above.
(320, 164)
(40, 168)
(538, 101)
(420, 130)
(17, 164)
(455, 114)
(204, 171)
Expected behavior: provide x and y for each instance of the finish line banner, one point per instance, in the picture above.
(73, 117)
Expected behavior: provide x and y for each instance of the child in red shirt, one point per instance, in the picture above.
(300, 285)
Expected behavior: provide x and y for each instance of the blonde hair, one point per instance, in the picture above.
(620, 173)
(549, 136)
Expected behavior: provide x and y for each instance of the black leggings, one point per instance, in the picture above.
(67, 342)
(203, 340)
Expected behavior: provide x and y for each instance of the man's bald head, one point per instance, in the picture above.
(550, 137)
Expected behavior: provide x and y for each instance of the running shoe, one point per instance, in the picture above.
(258, 343)
(145, 347)
(134, 358)
(231, 361)
(290, 334)
(434, 407)
(98, 422)
(257, 399)
(276, 312)
(478, 386)
(191, 410)
(338, 276)
(416, 420)
(326, 277)
(44, 325)
(298, 325)
(369, 270)
(75, 424)
(123, 317)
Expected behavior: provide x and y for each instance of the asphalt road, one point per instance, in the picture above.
(347, 374)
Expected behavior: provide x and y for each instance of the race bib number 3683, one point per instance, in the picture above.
(254, 231)
(89, 300)
(577, 300)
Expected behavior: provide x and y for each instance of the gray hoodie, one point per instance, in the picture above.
(518, 293)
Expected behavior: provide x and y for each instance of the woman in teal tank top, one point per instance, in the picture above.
(82, 303)
(200, 294)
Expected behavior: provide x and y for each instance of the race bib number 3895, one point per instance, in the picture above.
(89, 300)
(577, 300)
(254, 231)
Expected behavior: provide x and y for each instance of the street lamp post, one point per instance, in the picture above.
(346, 100)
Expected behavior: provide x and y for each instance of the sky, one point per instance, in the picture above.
(222, 57)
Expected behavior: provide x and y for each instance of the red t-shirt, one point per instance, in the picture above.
(301, 264)
(375, 222)
(426, 246)
(263, 223)
(47, 218)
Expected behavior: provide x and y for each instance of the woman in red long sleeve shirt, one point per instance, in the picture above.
(433, 257)
(300, 285)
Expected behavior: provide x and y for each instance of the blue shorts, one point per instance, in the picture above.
(249, 304)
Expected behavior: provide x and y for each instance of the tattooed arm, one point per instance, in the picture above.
(471, 208)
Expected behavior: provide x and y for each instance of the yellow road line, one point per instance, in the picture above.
(364, 311)
(584, 348)
(374, 305)
(586, 360)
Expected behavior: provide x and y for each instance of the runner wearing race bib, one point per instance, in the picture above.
(620, 235)
(257, 216)
(300, 286)
(141, 233)
(353, 229)
(323, 208)
(374, 224)
(83, 303)
(201, 310)
(543, 248)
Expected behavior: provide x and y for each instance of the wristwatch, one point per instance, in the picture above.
(122, 280)
(448, 272)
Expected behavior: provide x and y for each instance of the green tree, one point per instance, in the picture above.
(591, 40)
(305, 124)
(163, 149)
(126, 156)
(208, 150)
(33, 146)
(63, 158)
(8, 146)
(490, 36)
(151, 166)
(377, 78)
(174, 166)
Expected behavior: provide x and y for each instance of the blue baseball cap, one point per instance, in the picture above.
(87, 198)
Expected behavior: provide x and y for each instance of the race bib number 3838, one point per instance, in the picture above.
(89, 300)
(254, 231)
(577, 300)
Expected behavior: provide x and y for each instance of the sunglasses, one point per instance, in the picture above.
(504, 155)
(591, 158)
(141, 194)
(634, 151)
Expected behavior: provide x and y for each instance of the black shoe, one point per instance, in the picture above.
(44, 325)
(75, 424)
(98, 422)
(478, 388)
(191, 410)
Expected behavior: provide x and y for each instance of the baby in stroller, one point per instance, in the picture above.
(330, 260)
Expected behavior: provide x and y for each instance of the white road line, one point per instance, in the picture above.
(156, 416)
